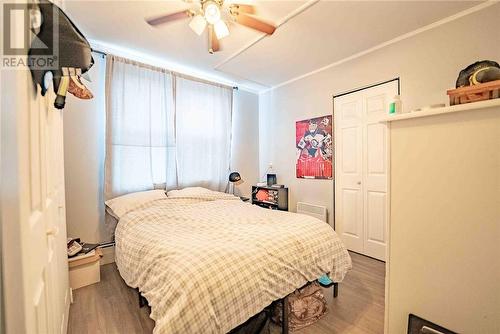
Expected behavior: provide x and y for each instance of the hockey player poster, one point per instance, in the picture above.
(313, 139)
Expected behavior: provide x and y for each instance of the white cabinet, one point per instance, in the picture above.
(445, 220)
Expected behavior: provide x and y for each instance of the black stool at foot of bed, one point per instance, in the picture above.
(335, 288)
(326, 282)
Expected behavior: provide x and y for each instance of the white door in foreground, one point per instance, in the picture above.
(35, 267)
(361, 159)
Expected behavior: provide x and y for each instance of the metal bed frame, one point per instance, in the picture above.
(284, 317)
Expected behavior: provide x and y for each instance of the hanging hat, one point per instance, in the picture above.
(481, 71)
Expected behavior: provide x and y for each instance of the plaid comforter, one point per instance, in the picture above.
(208, 263)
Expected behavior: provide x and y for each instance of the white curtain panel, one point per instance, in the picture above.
(163, 128)
(139, 109)
(203, 133)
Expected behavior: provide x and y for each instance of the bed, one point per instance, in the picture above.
(206, 262)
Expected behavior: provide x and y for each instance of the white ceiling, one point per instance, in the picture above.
(326, 32)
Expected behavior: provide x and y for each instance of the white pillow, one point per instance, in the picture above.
(189, 191)
(121, 205)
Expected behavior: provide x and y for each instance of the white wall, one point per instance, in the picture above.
(84, 145)
(84, 152)
(428, 65)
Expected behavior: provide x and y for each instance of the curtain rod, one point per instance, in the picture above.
(105, 54)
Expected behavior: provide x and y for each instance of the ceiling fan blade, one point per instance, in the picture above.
(240, 8)
(169, 17)
(213, 42)
(254, 23)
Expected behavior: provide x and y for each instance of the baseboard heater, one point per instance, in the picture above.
(107, 244)
(312, 210)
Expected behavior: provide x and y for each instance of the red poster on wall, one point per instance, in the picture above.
(314, 142)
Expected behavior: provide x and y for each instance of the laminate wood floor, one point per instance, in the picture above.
(112, 307)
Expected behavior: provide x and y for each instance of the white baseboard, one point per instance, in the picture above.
(108, 255)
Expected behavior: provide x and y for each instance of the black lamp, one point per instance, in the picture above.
(234, 177)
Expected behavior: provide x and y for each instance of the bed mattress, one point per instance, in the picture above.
(206, 264)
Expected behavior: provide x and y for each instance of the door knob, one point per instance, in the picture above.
(359, 182)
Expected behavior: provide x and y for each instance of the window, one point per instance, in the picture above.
(158, 134)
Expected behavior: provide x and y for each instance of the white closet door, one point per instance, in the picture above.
(376, 148)
(361, 208)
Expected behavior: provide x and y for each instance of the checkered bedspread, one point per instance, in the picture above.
(206, 264)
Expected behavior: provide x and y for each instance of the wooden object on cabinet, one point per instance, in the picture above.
(485, 91)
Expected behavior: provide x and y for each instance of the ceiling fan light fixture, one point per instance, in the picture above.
(212, 12)
(214, 16)
(198, 24)
(221, 29)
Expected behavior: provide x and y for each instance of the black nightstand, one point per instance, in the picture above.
(276, 199)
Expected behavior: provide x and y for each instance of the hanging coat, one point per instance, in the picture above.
(65, 45)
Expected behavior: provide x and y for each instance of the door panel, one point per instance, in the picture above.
(350, 111)
(375, 167)
(350, 210)
(46, 235)
(35, 160)
(375, 241)
(40, 304)
(350, 144)
(353, 219)
(361, 151)
(349, 165)
(376, 148)
(376, 217)
(377, 100)
(375, 103)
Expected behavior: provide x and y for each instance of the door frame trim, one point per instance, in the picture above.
(370, 86)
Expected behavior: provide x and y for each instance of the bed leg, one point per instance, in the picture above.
(335, 290)
(284, 322)
(142, 300)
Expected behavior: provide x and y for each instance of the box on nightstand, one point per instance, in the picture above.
(85, 269)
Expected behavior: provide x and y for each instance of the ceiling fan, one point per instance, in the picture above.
(214, 15)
